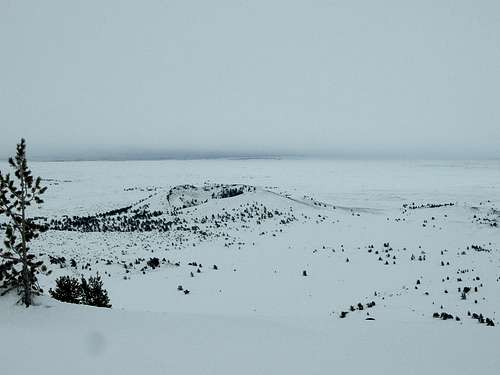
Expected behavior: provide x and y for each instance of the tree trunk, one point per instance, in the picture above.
(26, 283)
(24, 255)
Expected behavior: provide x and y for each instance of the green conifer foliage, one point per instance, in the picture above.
(19, 267)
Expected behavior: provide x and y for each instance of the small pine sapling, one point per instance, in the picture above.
(93, 293)
(67, 290)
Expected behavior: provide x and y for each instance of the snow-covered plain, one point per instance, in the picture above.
(303, 242)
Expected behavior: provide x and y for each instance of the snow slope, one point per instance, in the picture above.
(391, 241)
(64, 339)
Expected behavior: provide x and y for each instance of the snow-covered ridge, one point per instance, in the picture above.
(308, 276)
(163, 210)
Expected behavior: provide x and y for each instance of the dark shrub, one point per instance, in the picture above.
(93, 293)
(153, 263)
(67, 290)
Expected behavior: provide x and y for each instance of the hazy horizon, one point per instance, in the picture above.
(187, 155)
(162, 79)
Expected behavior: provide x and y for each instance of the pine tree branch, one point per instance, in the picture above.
(3, 256)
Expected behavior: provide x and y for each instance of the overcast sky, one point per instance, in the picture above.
(376, 78)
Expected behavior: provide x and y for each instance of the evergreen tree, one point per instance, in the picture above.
(67, 290)
(93, 293)
(71, 290)
(19, 267)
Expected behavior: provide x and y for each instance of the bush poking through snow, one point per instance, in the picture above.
(71, 290)
(93, 293)
(67, 290)
(153, 263)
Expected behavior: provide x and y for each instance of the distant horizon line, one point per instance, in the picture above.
(48, 159)
(134, 153)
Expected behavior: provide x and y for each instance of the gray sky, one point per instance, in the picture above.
(387, 78)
